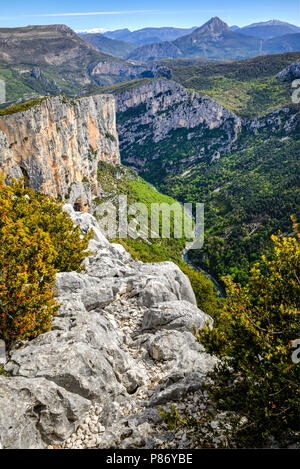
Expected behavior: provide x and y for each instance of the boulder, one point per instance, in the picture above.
(161, 282)
(86, 359)
(34, 412)
(291, 72)
(175, 315)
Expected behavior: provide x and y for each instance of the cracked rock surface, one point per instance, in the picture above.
(120, 346)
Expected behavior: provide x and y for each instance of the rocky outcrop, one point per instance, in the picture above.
(291, 72)
(50, 86)
(283, 122)
(57, 144)
(121, 345)
(34, 412)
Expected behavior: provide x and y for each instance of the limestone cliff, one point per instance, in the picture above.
(57, 144)
(163, 128)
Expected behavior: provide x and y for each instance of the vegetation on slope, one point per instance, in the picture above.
(124, 181)
(248, 87)
(20, 107)
(248, 194)
(253, 391)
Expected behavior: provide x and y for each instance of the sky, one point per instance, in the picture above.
(137, 14)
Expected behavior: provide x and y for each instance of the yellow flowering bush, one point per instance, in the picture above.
(37, 239)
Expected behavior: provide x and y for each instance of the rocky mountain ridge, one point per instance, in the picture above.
(154, 118)
(114, 354)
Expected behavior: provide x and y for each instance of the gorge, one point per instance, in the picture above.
(125, 345)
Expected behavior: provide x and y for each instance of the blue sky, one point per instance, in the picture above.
(136, 14)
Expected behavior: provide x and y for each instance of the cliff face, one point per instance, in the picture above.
(57, 144)
(163, 125)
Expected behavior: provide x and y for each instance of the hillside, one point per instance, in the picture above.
(287, 43)
(269, 29)
(249, 193)
(45, 60)
(108, 46)
(120, 180)
(195, 150)
(249, 87)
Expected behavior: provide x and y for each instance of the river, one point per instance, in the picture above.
(194, 266)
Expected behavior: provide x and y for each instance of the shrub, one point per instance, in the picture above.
(256, 328)
(37, 240)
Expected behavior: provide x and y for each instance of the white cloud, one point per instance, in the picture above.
(95, 13)
(92, 31)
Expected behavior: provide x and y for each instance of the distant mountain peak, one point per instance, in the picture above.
(214, 25)
(269, 29)
(273, 22)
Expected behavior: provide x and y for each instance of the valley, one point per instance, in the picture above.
(201, 135)
(228, 162)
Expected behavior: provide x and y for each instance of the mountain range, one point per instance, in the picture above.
(216, 40)
(148, 35)
(43, 60)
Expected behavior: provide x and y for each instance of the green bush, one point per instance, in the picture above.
(256, 328)
(37, 239)
(253, 391)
